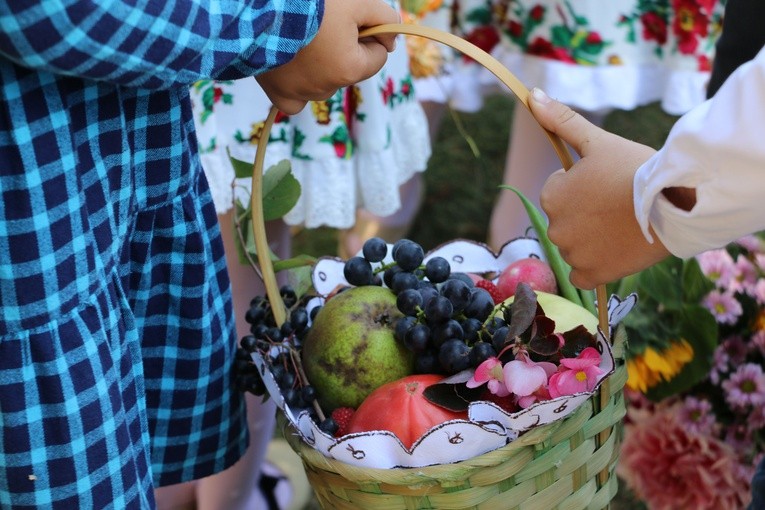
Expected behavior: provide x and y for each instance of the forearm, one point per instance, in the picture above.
(155, 44)
(717, 151)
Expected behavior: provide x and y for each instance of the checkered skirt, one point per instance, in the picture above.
(116, 327)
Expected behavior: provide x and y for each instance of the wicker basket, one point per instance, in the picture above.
(568, 464)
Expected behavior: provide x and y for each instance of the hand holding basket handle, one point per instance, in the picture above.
(470, 50)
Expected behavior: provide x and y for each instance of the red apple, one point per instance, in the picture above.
(533, 271)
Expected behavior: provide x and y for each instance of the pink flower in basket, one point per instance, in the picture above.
(576, 374)
(490, 373)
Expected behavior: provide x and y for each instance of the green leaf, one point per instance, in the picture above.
(558, 265)
(454, 396)
(695, 284)
(281, 191)
(561, 37)
(662, 283)
(242, 169)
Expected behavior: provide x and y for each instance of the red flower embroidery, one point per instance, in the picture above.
(689, 24)
(537, 12)
(654, 27)
(281, 117)
(217, 93)
(387, 91)
(594, 38)
(704, 63)
(543, 48)
(515, 29)
(485, 37)
(341, 148)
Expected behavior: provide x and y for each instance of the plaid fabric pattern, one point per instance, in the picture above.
(116, 327)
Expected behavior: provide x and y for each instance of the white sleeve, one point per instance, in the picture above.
(719, 149)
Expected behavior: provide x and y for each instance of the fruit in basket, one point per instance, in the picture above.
(531, 270)
(399, 407)
(351, 349)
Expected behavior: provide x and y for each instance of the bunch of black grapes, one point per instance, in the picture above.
(278, 346)
(449, 323)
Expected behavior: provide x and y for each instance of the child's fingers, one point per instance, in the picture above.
(571, 127)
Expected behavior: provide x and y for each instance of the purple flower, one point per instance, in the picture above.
(697, 416)
(724, 306)
(746, 386)
(719, 364)
(736, 348)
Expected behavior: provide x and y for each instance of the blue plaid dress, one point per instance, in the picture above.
(116, 327)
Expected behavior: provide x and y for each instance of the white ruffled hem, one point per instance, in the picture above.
(333, 188)
(589, 88)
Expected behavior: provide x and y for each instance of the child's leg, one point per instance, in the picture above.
(530, 161)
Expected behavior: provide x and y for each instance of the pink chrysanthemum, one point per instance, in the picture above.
(724, 306)
(757, 342)
(736, 348)
(669, 467)
(759, 292)
(744, 276)
(696, 415)
(718, 266)
(720, 361)
(745, 386)
(751, 243)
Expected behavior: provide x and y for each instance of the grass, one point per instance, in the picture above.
(453, 210)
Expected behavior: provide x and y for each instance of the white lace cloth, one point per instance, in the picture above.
(340, 165)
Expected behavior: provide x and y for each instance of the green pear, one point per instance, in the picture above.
(351, 349)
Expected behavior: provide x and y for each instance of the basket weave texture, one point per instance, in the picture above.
(563, 465)
(568, 464)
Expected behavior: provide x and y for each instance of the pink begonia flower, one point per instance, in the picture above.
(538, 396)
(490, 372)
(575, 375)
(524, 377)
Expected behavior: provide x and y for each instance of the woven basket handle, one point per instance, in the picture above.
(457, 43)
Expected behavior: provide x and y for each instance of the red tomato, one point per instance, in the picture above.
(400, 407)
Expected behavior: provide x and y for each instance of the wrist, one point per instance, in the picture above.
(681, 197)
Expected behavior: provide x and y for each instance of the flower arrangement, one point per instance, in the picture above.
(695, 360)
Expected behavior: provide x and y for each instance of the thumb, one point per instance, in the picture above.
(377, 12)
(558, 118)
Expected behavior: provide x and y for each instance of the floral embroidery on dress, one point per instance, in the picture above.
(570, 39)
(210, 93)
(689, 27)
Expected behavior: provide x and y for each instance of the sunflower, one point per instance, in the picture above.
(653, 366)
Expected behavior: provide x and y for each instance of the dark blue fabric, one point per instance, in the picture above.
(116, 327)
